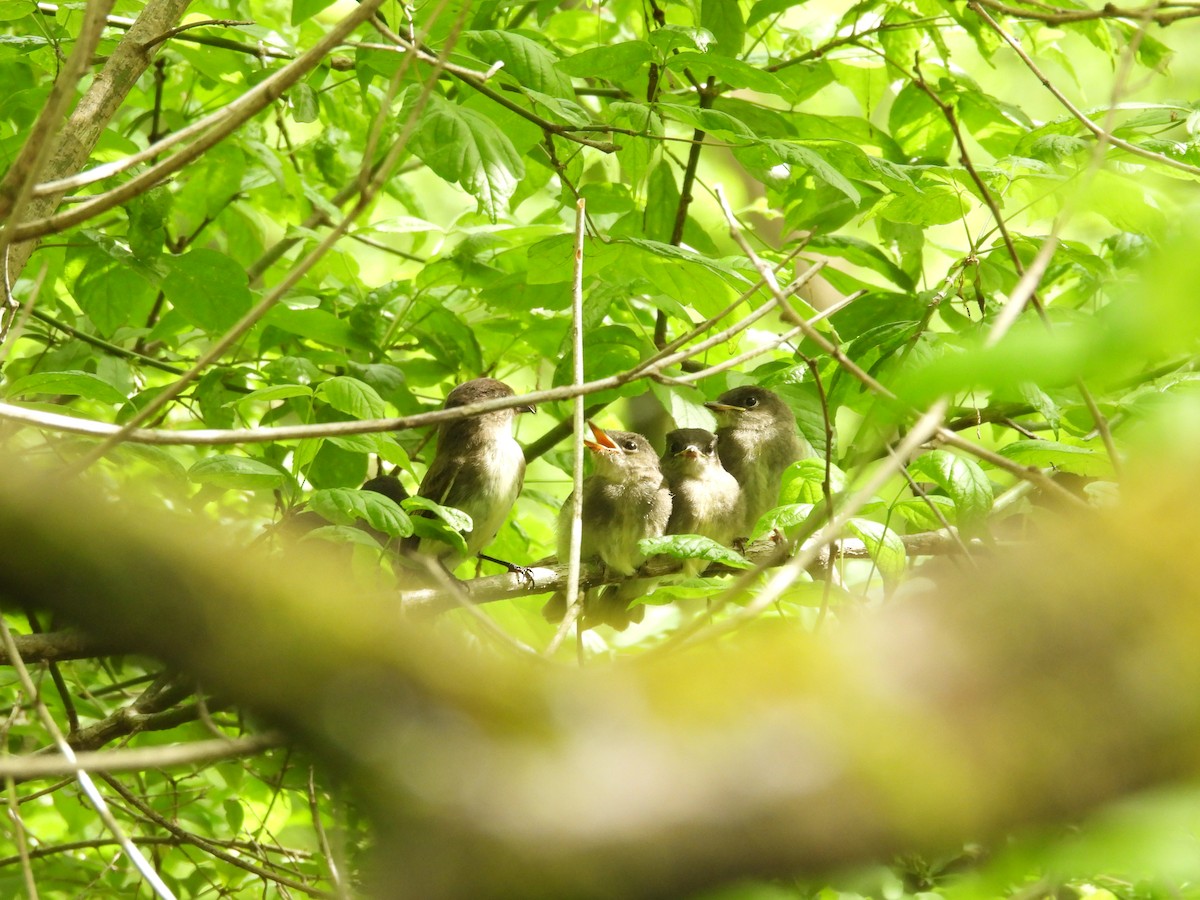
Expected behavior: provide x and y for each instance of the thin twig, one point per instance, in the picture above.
(1084, 120)
(297, 272)
(212, 129)
(574, 599)
(85, 782)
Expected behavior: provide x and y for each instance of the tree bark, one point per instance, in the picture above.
(95, 110)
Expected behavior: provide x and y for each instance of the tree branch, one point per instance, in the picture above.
(765, 554)
(95, 110)
(778, 754)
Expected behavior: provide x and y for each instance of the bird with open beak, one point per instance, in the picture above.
(705, 499)
(756, 440)
(625, 500)
(479, 467)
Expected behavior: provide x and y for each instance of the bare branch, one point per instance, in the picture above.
(24, 768)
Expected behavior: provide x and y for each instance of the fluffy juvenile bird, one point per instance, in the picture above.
(756, 440)
(625, 500)
(705, 498)
(479, 467)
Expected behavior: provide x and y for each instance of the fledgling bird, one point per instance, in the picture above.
(624, 501)
(756, 440)
(705, 498)
(479, 468)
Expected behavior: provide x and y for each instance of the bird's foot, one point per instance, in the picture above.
(523, 572)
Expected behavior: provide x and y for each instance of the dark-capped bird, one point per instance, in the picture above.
(756, 440)
(625, 500)
(479, 467)
(705, 498)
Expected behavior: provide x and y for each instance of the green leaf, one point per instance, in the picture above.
(305, 105)
(918, 514)
(803, 482)
(455, 518)
(692, 546)
(208, 289)
(918, 126)
(733, 72)
(1063, 457)
(236, 473)
(343, 534)
(766, 8)
(789, 515)
(962, 480)
(73, 383)
(438, 530)
(112, 293)
(614, 62)
(934, 206)
(672, 37)
(303, 10)
(463, 146)
(685, 405)
(147, 223)
(316, 325)
(271, 394)
(11, 10)
(235, 815)
(724, 19)
(446, 337)
(353, 397)
(447, 524)
(864, 254)
(345, 506)
(884, 545)
(530, 63)
(797, 154)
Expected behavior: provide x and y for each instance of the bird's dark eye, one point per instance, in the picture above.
(751, 402)
(631, 445)
(676, 446)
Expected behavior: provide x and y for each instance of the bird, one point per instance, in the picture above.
(705, 498)
(757, 441)
(478, 468)
(624, 501)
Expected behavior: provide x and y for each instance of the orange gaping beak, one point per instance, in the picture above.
(602, 443)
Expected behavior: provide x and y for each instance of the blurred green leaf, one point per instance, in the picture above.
(236, 473)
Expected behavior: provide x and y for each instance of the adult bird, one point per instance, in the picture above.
(479, 468)
(625, 500)
(705, 498)
(756, 440)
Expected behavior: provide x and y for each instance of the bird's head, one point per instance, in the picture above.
(621, 454)
(751, 406)
(689, 451)
(478, 390)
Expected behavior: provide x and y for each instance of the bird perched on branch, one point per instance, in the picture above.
(705, 498)
(479, 468)
(756, 440)
(624, 501)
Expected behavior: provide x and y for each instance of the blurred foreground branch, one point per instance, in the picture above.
(1032, 687)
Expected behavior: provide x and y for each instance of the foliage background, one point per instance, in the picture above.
(397, 218)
